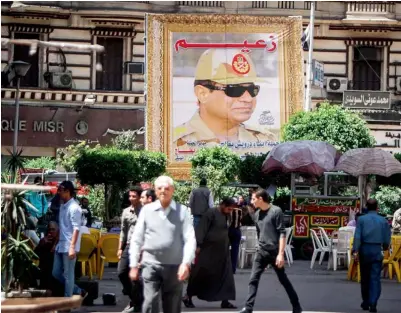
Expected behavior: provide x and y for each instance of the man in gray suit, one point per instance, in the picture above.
(165, 235)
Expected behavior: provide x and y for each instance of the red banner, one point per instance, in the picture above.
(323, 209)
(344, 221)
(301, 225)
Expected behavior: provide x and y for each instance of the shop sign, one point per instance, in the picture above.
(301, 225)
(325, 220)
(360, 99)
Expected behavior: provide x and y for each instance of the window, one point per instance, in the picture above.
(21, 53)
(111, 76)
(367, 68)
(342, 186)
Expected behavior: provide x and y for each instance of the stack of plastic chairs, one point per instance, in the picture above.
(87, 254)
(288, 246)
(108, 245)
(248, 246)
(392, 261)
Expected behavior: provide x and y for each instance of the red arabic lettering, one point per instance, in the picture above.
(245, 46)
(325, 220)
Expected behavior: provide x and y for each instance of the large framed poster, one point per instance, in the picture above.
(225, 80)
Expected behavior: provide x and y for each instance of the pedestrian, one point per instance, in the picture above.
(86, 211)
(269, 220)
(165, 237)
(129, 219)
(200, 200)
(396, 224)
(372, 234)
(212, 276)
(234, 234)
(148, 196)
(70, 220)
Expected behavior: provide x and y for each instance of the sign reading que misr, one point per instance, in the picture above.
(38, 126)
(360, 99)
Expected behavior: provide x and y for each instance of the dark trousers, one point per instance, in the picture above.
(264, 258)
(197, 219)
(161, 280)
(132, 289)
(234, 235)
(370, 280)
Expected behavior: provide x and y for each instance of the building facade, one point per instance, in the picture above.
(358, 42)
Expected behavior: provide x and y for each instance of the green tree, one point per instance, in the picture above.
(115, 169)
(47, 163)
(126, 141)
(250, 170)
(218, 165)
(331, 123)
(388, 198)
(66, 157)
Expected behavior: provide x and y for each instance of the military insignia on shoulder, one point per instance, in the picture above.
(266, 118)
(240, 64)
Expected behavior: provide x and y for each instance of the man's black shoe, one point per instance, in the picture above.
(372, 308)
(365, 307)
(245, 310)
(297, 309)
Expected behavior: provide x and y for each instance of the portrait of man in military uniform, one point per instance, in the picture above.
(226, 88)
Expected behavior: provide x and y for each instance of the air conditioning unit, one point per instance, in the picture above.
(336, 85)
(398, 85)
(134, 68)
(60, 80)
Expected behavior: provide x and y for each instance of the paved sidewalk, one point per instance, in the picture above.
(319, 290)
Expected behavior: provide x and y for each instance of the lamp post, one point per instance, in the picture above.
(18, 69)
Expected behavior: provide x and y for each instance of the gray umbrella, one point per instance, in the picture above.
(365, 161)
(305, 156)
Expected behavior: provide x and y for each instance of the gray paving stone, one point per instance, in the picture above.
(320, 291)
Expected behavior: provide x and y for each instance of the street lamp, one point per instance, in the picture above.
(17, 69)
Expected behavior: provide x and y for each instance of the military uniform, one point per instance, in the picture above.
(195, 134)
(227, 67)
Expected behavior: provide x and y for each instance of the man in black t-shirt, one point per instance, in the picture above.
(271, 244)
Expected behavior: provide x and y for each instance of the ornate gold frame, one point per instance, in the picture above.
(158, 75)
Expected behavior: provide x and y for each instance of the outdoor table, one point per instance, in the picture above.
(39, 305)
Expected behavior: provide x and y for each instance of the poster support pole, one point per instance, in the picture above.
(309, 76)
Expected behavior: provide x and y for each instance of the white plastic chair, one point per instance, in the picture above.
(340, 249)
(249, 244)
(326, 242)
(288, 246)
(317, 248)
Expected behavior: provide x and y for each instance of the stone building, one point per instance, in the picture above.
(358, 42)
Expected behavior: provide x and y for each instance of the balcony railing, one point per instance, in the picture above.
(73, 98)
(377, 8)
(306, 5)
(205, 4)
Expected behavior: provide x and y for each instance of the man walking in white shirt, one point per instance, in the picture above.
(165, 234)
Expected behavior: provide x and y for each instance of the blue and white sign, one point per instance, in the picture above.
(318, 73)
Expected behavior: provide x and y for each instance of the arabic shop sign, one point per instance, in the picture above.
(360, 99)
(387, 138)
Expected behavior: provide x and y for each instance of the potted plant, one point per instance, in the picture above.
(17, 256)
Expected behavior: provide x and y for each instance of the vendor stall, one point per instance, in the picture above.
(323, 201)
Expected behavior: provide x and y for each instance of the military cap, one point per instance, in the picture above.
(226, 66)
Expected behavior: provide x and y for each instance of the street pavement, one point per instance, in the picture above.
(319, 290)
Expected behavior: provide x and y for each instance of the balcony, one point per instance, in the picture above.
(373, 11)
(205, 4)
(78, 99)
